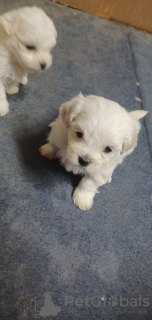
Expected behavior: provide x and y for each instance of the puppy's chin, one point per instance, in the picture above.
(91, 169)
(76, 169)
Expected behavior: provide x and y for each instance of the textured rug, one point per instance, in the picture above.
(56, 261)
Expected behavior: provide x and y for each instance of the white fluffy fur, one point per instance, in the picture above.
(103, 123)
(27, 26)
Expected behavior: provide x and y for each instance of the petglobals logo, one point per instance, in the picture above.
(44, 305)
(99, 301)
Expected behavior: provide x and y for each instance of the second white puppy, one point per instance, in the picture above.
(91, 136)
(27, 37)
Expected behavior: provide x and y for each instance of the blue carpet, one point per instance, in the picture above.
(56, 261)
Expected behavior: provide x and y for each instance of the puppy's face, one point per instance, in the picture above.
(99, 132)
(31, 36)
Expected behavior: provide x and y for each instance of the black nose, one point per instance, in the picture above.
(83, 162)
(43, 65)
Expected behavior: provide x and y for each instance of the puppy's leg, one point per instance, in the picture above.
(84, 193)
(24, 80)
(12, 87)
(4, 106)
(48, 151)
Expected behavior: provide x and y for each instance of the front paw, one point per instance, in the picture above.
(83, 199)
(24, 80)
(12, 89)
(4, 109)
(48, 151)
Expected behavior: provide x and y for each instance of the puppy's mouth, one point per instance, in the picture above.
(30, 69)
(26, 67)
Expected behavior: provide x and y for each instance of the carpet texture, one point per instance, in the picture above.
(56, 261)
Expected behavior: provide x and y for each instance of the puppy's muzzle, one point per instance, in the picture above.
(84, 162)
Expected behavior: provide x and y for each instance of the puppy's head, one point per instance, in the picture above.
(30, 37)
(99, 131)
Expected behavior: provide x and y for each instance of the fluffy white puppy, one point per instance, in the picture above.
(91, 136)
(27, 37)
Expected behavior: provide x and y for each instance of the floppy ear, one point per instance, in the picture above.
(70, 109)
(130, 143)
(138, 114)
(10, 21)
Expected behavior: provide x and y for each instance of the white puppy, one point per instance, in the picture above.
(27, 37)
(91, 136)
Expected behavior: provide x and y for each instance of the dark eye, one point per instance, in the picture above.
(30, 47)
(79, 134)
(107, 150)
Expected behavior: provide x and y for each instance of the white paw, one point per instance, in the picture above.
(24, 80)
(48, 151)
(12, 89)
(83, 199)
(4, 109)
